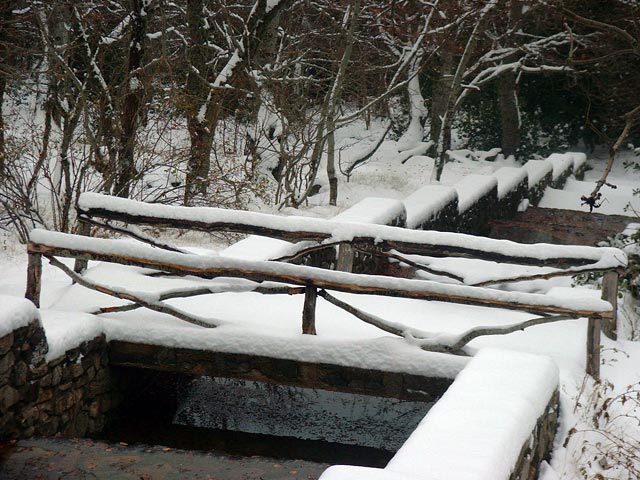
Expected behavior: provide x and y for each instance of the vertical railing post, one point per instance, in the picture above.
(610, 294)
(344, 262)
(80, 264)
(309, 310)
(593, 347)
(34, 278)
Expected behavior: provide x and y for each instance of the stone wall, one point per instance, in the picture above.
(70, 395)
(540, 444)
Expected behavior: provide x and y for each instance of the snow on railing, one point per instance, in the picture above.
(312, 282)
(327, 232)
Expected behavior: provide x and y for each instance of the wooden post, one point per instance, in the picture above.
(610, 294)
(309, 310)
(34, 278)
(344, 262)
(81, 265)
(593, 347)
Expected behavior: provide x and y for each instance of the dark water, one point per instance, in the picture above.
(306, 414)
(247, 418)
(171, 427)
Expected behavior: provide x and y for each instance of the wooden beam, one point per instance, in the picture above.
(610, 294)
(309, 310)
(309, 276)
(325, 376)
(379, 236)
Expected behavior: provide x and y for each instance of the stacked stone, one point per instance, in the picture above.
(69, 395)
(540, 444)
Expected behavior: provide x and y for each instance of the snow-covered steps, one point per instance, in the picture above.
(480, 198)
(371, 210)
(477, 202)
(376, 211)
(496, 421)
(432, 207)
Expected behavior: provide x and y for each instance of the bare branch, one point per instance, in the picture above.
(125, 295)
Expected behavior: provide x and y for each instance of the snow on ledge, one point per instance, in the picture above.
(537, 169)
(67, 330)
(376, 210)
(256, 247)
(561, 163)
(424, 203)
(16, 313)
(471, 188)
(579, 159)
(508, 179)
(387, 353)
(477, 429)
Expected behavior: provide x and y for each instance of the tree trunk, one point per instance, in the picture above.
(126, 169)
(334, 99)
(3, 151)
(6, 62)
(507, 93)
(198, 101)
(509, 114)
(439, 96)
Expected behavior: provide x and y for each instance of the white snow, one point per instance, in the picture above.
(611, 202)
(374, 210)
(579, 159)
(508, 179)
(339, 231)
(67, 330)
(384, 353)
(478, 428)
(255, 247)
(561, 162)
(16, 313)
(537, 170)
(473, 187)
(426, 202)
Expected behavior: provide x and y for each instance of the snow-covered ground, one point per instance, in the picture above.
(275, 320)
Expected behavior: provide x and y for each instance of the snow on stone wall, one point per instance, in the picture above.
(427, 205)
(496, 421)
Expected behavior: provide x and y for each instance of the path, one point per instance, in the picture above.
(49, 459)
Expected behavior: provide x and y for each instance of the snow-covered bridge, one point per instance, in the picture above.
(515, 391)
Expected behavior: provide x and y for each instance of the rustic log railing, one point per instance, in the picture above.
(314, 282)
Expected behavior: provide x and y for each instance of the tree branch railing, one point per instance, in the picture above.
(299, 279)
(408, 247)
(327, 232)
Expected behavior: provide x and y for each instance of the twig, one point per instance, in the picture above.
(539, 276)
(389, 327)
(205, 291)
(301, 250)
(423, 338)
(502, 330)
(115, 292)
(419, 266)
(132, 233)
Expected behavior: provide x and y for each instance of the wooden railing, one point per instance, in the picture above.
(280, 277)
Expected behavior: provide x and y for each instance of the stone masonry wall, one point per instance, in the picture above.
(540, 444)
(70, 395)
